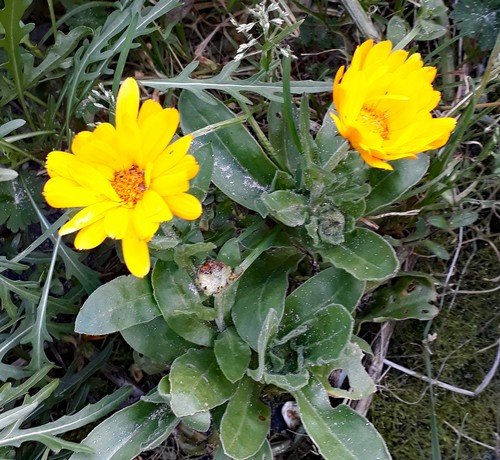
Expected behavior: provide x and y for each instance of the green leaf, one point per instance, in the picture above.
(16, 209)
(463, 218)
(330, 144)
(340, 433)
(264, 453)
(262, 287)
(199, 185)
(229, 253)
(91, 61)
(361, 384)
(269, 328)
(409, 297)
(479, 19)
(246, 421)
(365, 255)
(117, 305)
(193, 329)
(437, 249)
(286, 206)
(46, 432)
(397, 29)
(326, 333)
(233, 354)
(173, 288)
(10, 126)
(180, 304)
(13, 34)
(330, 286)
(130, 431)
(197, 383)
(288, 382)
(7, 174)
(429, 30)
(167, 344)
(9, 393)
(241, 169)
(224, 82)
(280, 137)
(198, 422)
(388, 186)
(56, 55)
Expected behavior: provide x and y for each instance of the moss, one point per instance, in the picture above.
(401, 410)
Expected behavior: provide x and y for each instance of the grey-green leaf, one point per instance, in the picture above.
(197, 383)
(340, 433)
(117, 305)
(156, 340)
(262, 287)
(388, 186)
(246, 421)
(233, 354)
(286, 206)
(330, 286)
(129, 432)
(241, 169)
(409, 297)
(365, 255)
(360, 383)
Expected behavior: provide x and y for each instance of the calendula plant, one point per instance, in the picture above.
(248, 259)
(218, 309)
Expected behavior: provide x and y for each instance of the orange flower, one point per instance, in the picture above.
(383, 102)
(127, 179)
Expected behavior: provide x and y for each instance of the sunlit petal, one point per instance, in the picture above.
(383, 103)
(136, 255)
(91, 236)
(185, 206)
(121, 177)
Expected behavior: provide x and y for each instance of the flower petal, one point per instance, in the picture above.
(375, 162)
(66, 193)
(127, 104)
(90, 236)
(149, 108)
(154, 207)
(157, 131)
(116, 222)
(80, 139)
(143, 227)
(89, 177)
(136, 255)
(60, 163)
(87, 216)
(185, 206)
(170, 184)
(171, 156)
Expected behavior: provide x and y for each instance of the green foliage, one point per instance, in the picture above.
(479, 20)
(311, 240)
(16, 209)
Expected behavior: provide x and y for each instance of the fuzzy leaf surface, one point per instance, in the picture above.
(246, 422)
(197, 384)
(340, 433)
(117, 305)
(365, 255)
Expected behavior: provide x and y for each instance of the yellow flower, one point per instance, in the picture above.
(383, 102)
(127, 179)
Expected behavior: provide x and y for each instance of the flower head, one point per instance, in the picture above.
(383, 102)
(128, 179)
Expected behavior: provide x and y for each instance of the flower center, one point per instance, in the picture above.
(129, 185)
(375, 121)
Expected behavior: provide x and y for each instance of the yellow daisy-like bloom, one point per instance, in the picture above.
(383, 102)
(127, 179)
